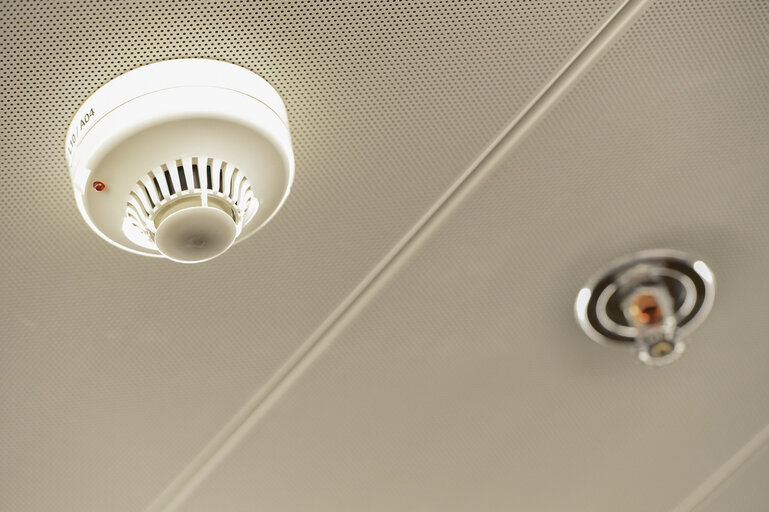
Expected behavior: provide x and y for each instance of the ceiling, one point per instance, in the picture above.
(400, 336)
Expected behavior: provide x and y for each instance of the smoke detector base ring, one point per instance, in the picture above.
(188, 133)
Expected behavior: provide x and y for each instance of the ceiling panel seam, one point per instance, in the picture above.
(239, 425)
(722, 475)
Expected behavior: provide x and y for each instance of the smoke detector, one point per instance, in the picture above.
(181, 159)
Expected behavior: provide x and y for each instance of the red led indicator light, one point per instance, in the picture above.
(99, 186)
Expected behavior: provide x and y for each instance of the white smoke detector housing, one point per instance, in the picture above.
(181, 158)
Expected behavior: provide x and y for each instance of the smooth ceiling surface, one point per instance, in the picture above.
(465, 383)
(746, 489)
(116, 370)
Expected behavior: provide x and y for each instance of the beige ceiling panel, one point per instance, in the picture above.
(466, 384)
(115, 369)
(744, 490)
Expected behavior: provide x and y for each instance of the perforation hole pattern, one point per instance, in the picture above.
(467, 384)
(114, 374)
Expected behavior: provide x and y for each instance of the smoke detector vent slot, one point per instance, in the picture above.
(166, 190)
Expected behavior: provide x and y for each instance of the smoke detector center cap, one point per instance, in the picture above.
(195, 234)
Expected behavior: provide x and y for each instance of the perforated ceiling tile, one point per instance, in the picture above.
(116, 369)
(466, 384)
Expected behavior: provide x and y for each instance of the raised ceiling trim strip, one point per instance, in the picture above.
(241, 423)
(722, 475)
